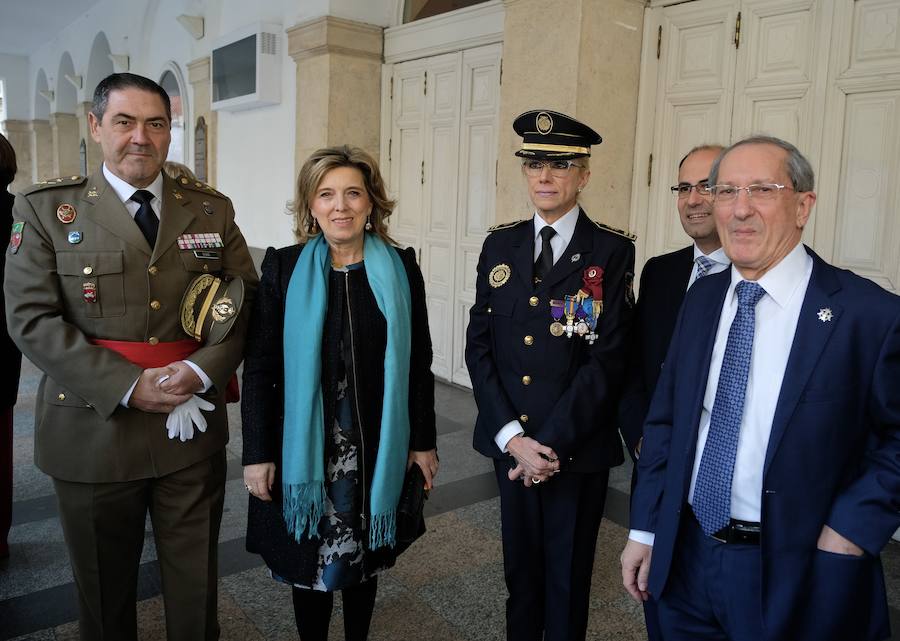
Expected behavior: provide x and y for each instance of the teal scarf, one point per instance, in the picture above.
(303, 449)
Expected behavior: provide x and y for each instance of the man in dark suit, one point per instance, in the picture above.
(545, 349)
(769, 479)
(94, 283)
(664, 281)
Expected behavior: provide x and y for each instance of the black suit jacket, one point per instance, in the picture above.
(663, 285)
(569, 400)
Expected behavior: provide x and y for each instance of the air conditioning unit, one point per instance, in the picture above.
(246, 68)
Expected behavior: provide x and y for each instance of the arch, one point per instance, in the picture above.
(172, 80)
(66, 96)
(41, 104)
(99, 65)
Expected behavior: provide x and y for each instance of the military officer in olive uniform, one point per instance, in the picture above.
(545, 349)
(95, 273)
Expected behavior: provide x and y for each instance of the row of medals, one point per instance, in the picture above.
(581, 314)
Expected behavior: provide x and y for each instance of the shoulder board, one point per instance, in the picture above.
(618, 232)
(196, 185)
(507, 225)
(67, 181)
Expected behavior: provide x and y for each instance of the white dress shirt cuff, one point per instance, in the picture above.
(506, 433)
(127, 397)
(207, 382)
(641, 536)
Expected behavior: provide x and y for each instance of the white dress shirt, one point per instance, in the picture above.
(721, 262)
(565, 229)
(125, 191)
(777, 313)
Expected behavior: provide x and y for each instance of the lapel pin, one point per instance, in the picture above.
(92, 193)
(177, 194)
(66, 213)
(208, 208)
(576, 258)
(825, 314)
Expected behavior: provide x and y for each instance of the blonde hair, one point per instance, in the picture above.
(313, 171)
(176, 170)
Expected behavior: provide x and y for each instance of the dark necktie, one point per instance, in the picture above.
(544, 262)
(145, 218)
(712, 490)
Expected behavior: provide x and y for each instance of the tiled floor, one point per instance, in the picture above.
(447, 587)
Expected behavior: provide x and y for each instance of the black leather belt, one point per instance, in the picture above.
(737, 531)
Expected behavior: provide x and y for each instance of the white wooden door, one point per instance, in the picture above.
(442, 156)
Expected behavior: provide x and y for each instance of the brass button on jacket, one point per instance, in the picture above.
(526, 380)
(155, 304)
(153, 340)
(529, 340)
(88, 270)
(523, 418)
(533, 301)
(154, 270)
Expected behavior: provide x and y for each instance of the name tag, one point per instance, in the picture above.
(207, 255)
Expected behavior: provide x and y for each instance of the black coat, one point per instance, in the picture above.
(572, 391)
(262, 406)
(664, 283)
(10, 356)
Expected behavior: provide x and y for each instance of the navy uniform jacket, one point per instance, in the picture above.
(569, 400)
(833, 455)
(664, 282)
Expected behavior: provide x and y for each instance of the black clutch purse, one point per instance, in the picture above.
(410, 522)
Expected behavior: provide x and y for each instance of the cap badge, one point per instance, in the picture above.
(499, 275)
(223, 309)
(544, 123)
(66, 213)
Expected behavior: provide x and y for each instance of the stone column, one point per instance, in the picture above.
(580, 57)
(92, 149)
(199, 77)
(65, 144)
(18, 133)
(338, 84)
(41, 150)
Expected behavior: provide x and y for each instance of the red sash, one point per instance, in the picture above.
(146, 355)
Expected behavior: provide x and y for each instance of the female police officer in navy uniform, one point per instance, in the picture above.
(545, 350)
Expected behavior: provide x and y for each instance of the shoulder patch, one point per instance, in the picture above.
(618, 232)
(196, 185)
(66, 181)
(507, 225)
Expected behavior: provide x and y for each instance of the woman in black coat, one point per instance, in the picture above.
(338, 396)
(9, 354)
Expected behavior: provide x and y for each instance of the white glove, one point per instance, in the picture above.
(181, 420)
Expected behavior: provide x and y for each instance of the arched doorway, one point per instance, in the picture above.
(172, 81)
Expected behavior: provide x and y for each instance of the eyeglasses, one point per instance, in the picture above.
(758, 192)
(684, 189)
(558, 168)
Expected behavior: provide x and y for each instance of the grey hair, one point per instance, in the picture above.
(713, 147)
(798, 169)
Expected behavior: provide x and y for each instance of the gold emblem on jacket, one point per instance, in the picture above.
(499, 275)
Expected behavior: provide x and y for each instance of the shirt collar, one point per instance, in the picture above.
(717, 256)
(125, 191)
(783, 280)
(564, 227)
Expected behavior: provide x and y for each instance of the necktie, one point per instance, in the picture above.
(145, 218)
(544, 262)
(704, 264)
(712, 491)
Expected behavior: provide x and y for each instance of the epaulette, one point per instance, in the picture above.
(507, 225)
(619, 232)
(196, 185)
(54, 182)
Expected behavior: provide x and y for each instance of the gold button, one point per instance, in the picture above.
(523, 418)
(155, 304)
(529, 340)
(87, 271)
(61, 397)
(206, 268)
(153, 340)
(533, 301)
(154, 270)
(526, 380)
